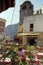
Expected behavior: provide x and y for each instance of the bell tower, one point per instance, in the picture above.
(26, 9)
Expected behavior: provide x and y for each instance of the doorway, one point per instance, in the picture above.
(32, 40)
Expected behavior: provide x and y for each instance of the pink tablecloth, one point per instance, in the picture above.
(36, 61)
(7, 62)
(39, 55)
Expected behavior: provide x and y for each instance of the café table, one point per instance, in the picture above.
(7, 61)
(34, 61)
(39, 55)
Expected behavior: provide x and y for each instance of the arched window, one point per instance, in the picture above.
(24, 7)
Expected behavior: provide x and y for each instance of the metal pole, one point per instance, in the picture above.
(12, 14)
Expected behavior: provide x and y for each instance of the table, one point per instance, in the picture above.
(7, 61)
(39, 55)
(34, 61)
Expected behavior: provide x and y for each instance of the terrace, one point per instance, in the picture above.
(10, 56)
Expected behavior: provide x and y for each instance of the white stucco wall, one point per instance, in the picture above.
(37, 21)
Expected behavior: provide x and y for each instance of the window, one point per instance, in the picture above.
(24, 7)
(31, 27)
(30, 7)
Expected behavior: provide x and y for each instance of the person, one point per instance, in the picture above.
(22, 55)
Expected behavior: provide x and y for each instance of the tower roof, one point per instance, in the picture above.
(26, 2)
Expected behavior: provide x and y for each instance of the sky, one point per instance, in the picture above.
(15, 11)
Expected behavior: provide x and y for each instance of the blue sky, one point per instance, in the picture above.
(8, 13)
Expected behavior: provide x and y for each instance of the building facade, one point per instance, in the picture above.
(30, 30)
(2, 28)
